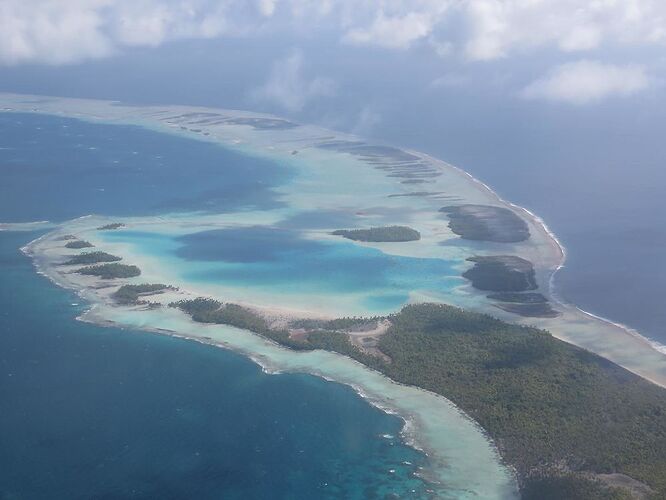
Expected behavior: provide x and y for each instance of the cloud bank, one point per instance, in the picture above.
(583, 82)
(288, 88)
(56, 32)
(466, 31)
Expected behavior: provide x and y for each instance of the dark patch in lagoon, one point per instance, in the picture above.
(283, 259)
(243, 245)
(501, 273)
(486, 223)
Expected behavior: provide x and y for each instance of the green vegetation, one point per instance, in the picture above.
(380, 234)
(130, 294)
(109, 227)
(552, 408)
(571, 487)
(91, 258)
(205, 310)
(501, 273)
(558, 414)
(348, 323)
(79, 244)
(110, 271)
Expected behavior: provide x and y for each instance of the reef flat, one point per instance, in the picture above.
(277, 271)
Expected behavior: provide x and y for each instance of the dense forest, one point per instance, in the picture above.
(131, 294)
(76, 244)
(91, 258)
(560, 415)
(110, 271)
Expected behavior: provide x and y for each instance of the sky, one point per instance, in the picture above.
(595, 48)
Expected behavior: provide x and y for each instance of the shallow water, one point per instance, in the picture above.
(92, 412)
(291, 270)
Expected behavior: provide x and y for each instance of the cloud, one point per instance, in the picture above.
(267, 7)
(288, 88)
(450, 80)
(585, 82)
(393, 32)
(497, 28)
(59, 31)
(51, 32)
(366, 121)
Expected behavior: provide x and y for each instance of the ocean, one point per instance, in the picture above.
(94, 412)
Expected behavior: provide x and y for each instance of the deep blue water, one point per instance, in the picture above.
(91, 412)
(56, 168)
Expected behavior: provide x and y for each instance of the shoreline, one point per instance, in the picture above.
(158, 118)
(543, 249)
(562, 251)
(413, 431)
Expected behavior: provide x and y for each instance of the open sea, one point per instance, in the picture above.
(93, 412)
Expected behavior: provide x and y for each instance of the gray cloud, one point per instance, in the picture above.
(584, 82)
(62, 32)
(289, 88)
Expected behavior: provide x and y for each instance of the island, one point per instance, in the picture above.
(486, 223)
(111, 227)
(111, 271)
(76, 244)
(131, 294)
(554, 400)
(570, 422)
(392, 234)
(91, 258)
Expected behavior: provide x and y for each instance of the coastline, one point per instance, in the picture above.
(432, 424)
(548, 254)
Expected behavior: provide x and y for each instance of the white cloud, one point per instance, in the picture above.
(51, 32)
(63, 31)
(288, 88)
(267, 7)
(393, 32)
(60, 32)
(496, 28)
(450, 80)
(584, 82)
(366, 121)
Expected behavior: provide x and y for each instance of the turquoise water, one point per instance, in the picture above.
(284, 262)
(91, 412)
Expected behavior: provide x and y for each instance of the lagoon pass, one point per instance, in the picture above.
(357, 230)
